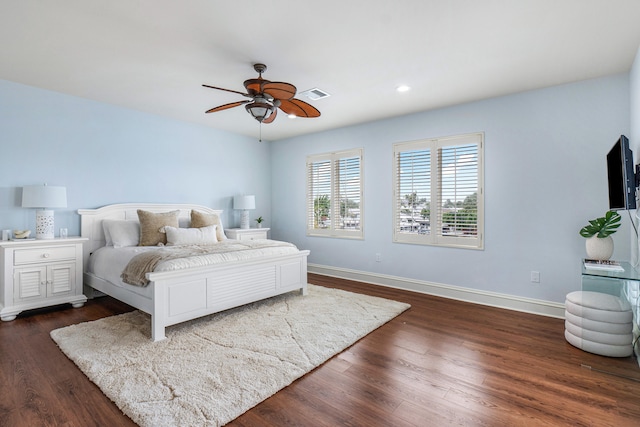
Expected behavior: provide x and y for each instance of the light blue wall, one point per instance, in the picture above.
(545, 176)
(105, 154)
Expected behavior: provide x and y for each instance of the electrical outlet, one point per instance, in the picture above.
(535, 276)
(378, 258)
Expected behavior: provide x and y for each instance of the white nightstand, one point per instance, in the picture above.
(246, 233)
(40, 273)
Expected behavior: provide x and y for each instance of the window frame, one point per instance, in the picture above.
(434, 147)
(334, 159)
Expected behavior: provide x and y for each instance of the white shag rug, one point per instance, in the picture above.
(211, 370)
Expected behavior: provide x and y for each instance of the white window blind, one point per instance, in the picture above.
(334, 194)
(438, 191)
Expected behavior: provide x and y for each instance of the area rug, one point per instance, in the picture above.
(211, 370)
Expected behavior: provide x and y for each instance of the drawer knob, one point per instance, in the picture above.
(45, 255)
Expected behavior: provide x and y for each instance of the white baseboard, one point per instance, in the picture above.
(493, 299)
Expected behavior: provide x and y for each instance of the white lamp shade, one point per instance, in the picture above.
(44, 196)
(244, 202)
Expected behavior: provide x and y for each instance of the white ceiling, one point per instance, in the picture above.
(154, 55)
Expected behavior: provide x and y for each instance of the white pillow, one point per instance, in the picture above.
(107, 235)
(191, 236)
(121, 233)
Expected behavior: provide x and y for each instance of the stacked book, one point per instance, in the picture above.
(604, 265)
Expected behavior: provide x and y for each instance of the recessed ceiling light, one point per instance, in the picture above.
(403, 88)
(292, 116)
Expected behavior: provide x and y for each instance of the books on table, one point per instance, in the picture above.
(607, 265)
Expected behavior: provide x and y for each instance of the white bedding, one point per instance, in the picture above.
(109, 262)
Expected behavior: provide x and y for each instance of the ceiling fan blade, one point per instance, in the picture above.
(226, 106)
(253, 85)
(271, 118)
(279, 90)
(227, 90)
(299, 108)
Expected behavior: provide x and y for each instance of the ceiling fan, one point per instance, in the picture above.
(266, 97)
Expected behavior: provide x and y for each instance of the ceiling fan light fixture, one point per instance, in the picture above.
(259, 110)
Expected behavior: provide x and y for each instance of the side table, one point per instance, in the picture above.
(623, 284)
(40, 273)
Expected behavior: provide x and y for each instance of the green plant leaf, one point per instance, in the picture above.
(603, 226)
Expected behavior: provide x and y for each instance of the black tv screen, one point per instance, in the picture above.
(622, 186)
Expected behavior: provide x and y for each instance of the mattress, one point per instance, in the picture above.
(108, 262)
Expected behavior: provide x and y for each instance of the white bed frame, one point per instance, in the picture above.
(183, 295)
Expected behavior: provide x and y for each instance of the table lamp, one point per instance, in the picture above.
(44, 197)
(245, 203)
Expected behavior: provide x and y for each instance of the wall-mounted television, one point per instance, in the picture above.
(621, 177)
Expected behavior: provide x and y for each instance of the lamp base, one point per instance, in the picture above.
(244, 219)
(44, 224)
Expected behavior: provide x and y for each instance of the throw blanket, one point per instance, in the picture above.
(141, 264)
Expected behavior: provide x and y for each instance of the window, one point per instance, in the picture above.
(334, 194)
(438, 194)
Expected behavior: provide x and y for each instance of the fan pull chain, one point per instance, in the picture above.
(260, 139)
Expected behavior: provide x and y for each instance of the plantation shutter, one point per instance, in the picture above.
(413, 191)
(457, 211)
(438, 195)
(319, 194)
(347, 199)
(335, 194)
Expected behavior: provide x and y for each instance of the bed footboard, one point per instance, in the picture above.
(179, 296)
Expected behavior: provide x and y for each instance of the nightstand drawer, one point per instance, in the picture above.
(246, 233)
(252, 236)
(30, 256)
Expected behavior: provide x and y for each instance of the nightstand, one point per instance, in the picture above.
(40, 273)
(246, 233)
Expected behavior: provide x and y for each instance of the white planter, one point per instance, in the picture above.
(601, 249)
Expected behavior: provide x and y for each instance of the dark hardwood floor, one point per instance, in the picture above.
(440, 363)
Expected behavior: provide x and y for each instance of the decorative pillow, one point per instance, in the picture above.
(201, 219)
(121, 233)
(191, 236)
(151, 223)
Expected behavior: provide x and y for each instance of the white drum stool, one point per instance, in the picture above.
(599, 323)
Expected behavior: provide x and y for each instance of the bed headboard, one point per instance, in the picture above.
(91, 219)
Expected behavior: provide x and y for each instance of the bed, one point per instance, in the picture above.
(178, 295)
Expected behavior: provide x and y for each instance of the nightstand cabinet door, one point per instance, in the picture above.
(61, 279)
(30, 283)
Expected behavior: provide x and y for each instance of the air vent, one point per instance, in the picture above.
(314, 94)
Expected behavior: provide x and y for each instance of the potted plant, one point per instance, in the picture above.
(598, 234)
(259, 221)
